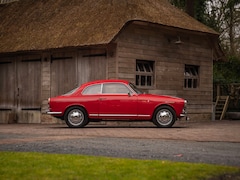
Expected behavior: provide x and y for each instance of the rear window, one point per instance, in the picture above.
(93, 89)
(71, 92)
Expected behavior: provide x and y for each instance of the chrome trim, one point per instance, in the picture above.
(184, 111)
(144, 115)
(93, 114)
(183, 115)
(54, 113)
(115, 115)
(132, 115)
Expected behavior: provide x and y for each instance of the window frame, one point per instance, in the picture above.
(145, 69)
(192, 79)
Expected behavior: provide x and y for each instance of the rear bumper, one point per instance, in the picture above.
(53, 113)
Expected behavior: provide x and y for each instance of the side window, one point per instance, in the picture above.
(191, 76)
(144, 73)
(115, 88)
(94, 89)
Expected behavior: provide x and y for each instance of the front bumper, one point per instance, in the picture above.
(184, 112)
(182, 116)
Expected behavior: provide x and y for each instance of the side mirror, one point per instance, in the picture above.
(129, 94)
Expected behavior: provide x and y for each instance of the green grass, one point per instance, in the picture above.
(22, 165)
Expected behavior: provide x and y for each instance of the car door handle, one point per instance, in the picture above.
(101, 99)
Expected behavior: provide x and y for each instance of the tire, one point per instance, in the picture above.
(164, 116)
(76, 117)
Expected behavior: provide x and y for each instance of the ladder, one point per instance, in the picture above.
(221, 106)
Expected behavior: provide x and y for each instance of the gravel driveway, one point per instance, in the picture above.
(212, 142)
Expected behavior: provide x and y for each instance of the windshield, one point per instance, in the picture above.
(71, 92)
(135, 88)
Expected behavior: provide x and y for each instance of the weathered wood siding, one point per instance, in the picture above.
(29, 89)
(69, 69)
(7, 89)
(20, 88)
(27, 81)
(158, 44)
(63, 72)
(92, 64)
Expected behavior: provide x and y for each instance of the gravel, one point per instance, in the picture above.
(221, 153)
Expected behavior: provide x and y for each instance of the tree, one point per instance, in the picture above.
(227, 72)
(224, 17)
(221, 15)
(194, 8)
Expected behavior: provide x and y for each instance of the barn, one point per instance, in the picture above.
(48, 47)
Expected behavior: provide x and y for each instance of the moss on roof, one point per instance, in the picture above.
(46, 24)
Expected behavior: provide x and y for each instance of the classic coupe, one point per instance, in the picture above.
(115, 100)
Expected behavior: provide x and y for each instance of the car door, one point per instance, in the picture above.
(90, 99)
(117, 102)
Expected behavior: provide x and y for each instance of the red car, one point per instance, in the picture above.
(115, 100)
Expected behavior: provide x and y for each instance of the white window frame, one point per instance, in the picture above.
(191, 76)
(144, 73)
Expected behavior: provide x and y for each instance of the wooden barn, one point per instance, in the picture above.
(48, 47)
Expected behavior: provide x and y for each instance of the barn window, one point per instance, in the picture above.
(191, 76)
(144, 73)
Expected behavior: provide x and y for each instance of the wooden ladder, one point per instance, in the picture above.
(221, 106)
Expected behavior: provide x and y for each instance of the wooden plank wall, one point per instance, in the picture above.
(69, 69)
(20, 88)
(27, 80)
(63, 72)
(7, 89)
(158, 44)
(92, 64)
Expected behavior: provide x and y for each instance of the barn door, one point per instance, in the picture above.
(91, 65)
(63, 73)
(7, 90)
(20, 82)
(28, 90)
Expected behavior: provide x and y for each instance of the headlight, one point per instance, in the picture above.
(185, 103)
(185, 107)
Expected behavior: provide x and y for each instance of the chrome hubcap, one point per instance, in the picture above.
(164, 117)
(75, 117)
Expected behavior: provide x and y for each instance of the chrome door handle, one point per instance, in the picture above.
(101, 99)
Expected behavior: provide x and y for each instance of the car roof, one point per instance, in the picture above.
(105, 81)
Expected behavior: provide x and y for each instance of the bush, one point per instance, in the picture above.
(227, 72)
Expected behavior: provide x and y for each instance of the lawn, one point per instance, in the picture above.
(28, 165)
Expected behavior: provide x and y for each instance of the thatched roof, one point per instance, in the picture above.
(47, 24)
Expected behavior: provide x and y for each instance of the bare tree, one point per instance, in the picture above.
(190, 7)
(224, 16)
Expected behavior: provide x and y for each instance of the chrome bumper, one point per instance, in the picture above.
(184, 112)
(53, 113)
(184, 116)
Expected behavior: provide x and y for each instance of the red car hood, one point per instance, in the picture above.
(162, 97)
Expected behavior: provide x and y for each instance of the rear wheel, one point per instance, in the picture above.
(164, 116)
(76, 117)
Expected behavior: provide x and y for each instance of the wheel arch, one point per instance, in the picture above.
(77, 106)
(162, 105)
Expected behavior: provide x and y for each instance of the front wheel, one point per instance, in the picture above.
(164, 116)
(76, 117)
